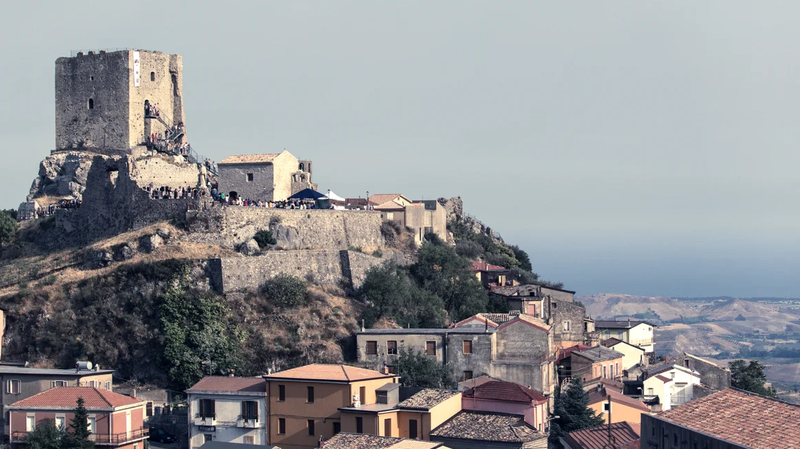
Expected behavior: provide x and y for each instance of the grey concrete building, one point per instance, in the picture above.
(264, 177)
(519, 350)
(101, 96)
(712, 375)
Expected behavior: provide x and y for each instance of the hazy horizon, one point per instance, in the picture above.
(638, 148)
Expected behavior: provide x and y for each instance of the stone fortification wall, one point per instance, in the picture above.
(323, 267)
(163, 170)
(294, 228)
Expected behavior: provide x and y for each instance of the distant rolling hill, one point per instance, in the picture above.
(615, 305)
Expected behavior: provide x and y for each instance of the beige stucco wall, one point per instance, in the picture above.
(642, 335)
(632, 356)
(619, 412)
(284, 165)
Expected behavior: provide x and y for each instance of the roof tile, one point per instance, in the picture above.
(486, 426)
(427, 399)
(330, 373)
(504, 391)
(231, 384)
(627, 435)
(94, 398)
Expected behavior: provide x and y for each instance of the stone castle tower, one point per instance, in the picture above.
(101, 97)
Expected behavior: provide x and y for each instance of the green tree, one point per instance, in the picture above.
(442, 272)
(264, 238)
(285, 290)
(45, 436)
(8, 229)
(421, 370)
(78, 435)
(200, 335)
(750, 377)
(390, 293)
(522, 257)
(573, 412)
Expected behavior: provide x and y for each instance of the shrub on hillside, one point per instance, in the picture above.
(469, 249)
(264, 238)
(286, 291)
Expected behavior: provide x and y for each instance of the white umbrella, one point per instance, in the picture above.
(333, 196)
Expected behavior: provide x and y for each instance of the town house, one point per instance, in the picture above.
(597, 362)
(672, 384)
(303, 403)
(509, 398)
(607, 402)
(20, 383)
(228, 410)
(637, 333)
(632, 355)
(115, 420)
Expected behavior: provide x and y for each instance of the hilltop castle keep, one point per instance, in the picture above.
(101, 98)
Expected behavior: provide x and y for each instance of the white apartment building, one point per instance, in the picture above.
(228, 410)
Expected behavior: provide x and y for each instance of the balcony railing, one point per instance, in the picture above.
(208, 420)
(114, 439)
(248, 423)
(642, 342)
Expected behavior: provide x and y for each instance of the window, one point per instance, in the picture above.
(91, 104)
(310, 398)
(391, 347)
(281, 426)
(430, 347)
(281, 393)
(392, 369)
(249, 177)
(12, 386)
(359, 424)
(686, 363)
(206, 408)
(372, 348)
(249, 439)
(30, 423)
(337, 427)
(566, 326)
(605, 371)
(206, 437)
(152, 76)
(93, 424)
(61, 423)
(362, 395)
(650, 392)
(675, 439)
(412, 428)
(467, 375)
(91, 78)
(149, 409)
(250, 410)
(467, 346)
(606, 407)
(108, 386)
(387, 427)
(58, 383)
(310, 424)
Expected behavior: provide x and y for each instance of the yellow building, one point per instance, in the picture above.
(303, 403)
(412, 418)
(622, 408)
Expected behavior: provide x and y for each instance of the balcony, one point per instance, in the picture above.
(253, 423)
(208, 420)
(115, 439)
(642, 342)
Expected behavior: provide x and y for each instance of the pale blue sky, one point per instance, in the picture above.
(635, 147)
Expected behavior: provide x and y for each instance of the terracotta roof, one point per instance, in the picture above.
(249, 159)
(389, 205)
(663, 378)
(67, 397)
(600, 396)
(427, 399)
(566, 352)
(476, 381)
(627, 435)
(529, 320)
(477, 317)
(504, 391)
(486, 426)
(328, 373)
(525, 290)
(740, 417)
(363, 441)
(231, 384)
(381, 198)
(599, 354)
(483, 266)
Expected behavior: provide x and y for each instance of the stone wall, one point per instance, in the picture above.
(163, 170)
(234, 178)
(309, 228)
(561, 295)
(322, 266)
(478, 361)
(164, 89)
(564, 311)
(711, 374)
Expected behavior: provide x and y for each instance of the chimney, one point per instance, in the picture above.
(362, 325)
(666, 359)
(385, 370)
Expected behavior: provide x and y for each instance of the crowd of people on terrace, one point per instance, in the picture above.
(51, 209)
(175, 193)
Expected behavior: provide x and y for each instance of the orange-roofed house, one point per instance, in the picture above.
(510, 398)
(115, 420)
(227, 410)
(607, 402)
(303, 403)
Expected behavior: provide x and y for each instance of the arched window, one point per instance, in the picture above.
(91, 104)
(301, 166)
(152, 76)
